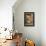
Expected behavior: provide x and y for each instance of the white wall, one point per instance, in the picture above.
(29, 32)
(6, 13)
(43, 22)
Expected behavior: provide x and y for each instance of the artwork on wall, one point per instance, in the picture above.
(29, 18)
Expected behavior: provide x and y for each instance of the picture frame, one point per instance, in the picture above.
(29, 19)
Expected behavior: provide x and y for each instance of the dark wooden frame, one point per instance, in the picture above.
(29, 13)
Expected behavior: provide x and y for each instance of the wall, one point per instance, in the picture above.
(6, 13)
(43, 22)
(32, 33)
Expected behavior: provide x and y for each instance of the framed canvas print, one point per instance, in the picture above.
(29, 18)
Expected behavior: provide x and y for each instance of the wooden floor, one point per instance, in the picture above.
(9, 43)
